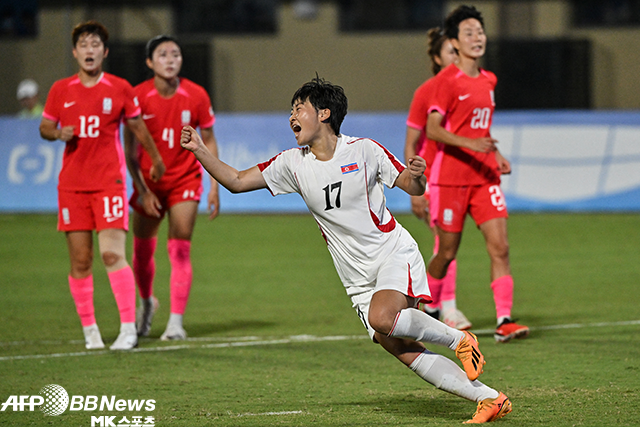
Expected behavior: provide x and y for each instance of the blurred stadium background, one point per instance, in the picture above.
(568, 97)
(568, 118)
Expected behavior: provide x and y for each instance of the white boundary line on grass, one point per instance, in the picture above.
(252, 341)
(249, 414)
(567, 326)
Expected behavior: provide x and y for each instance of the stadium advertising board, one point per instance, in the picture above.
(561, 161)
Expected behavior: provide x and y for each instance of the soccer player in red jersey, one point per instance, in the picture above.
(465, 173)
(85, 112)
(443, 292)
(168, 103)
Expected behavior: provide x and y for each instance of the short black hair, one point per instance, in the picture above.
(322, 94)
(157, 41)
(90, 27)
(453, 20)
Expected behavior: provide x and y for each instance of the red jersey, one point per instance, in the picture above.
(93, 159)
(165, 118)
(467, 105)
(418, 113)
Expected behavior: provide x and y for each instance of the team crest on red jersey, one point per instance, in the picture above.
(107, 105)
(185, 117)
(349, 168)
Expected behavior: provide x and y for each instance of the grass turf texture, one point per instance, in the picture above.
(271, 277)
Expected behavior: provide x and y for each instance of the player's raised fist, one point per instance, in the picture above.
(417, 166)
(189, 139)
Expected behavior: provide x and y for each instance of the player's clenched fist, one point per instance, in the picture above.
(190, 139)
(66, 133)
(417, 166)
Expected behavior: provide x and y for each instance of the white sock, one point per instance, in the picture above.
(419, 326)
(128, 328)
(90, 328)
(447, 376)
(449, 305)
(175, 320)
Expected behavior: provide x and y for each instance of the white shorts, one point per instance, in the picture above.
(404, 271)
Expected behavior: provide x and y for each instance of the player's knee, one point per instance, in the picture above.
(381, 322)
(448, 256)
(81, 270)
(110, 258)
(499, 251)
(81, 264)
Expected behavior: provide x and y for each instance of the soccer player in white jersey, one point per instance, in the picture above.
(341, 180)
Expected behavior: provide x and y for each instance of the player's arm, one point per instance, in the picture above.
(141, 133)
(419, 204)
(412, 179)
(49, 130)
(150, 202)
(503, 164)
(232, 179)
(436, 132)
(213, 198)
(411, 142)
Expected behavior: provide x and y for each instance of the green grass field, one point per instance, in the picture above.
(274, 341)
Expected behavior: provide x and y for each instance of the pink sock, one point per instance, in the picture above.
(82, 293)
(448, 292)
(144, 265)
(435, 304)
(503, 295)
(124, 290)
(435, 286)
(181, 273)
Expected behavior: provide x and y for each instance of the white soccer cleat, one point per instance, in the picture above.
(92, 337)
(455, 319)
(174, 333)
(144, 315)
(127, 339)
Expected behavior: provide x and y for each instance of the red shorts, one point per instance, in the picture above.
(96, 210)
(450, 205)
(170, 192)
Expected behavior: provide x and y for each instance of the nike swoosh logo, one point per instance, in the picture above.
(69, 104)
(148, 116)
(463, 97)
(112, 218)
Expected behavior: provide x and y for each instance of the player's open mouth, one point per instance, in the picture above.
(88, 61)
(296, 128)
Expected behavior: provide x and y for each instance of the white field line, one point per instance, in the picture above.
(252, 341)
(65, 342)
(248, 414)
(566, 326)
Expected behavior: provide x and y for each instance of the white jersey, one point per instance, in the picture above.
(346, 197)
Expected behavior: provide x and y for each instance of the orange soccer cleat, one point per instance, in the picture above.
(491, 409)
(470, 356)
(509, 330)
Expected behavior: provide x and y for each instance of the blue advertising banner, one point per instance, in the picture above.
(561, 161)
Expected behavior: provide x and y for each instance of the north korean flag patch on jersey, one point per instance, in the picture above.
(349, 168)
